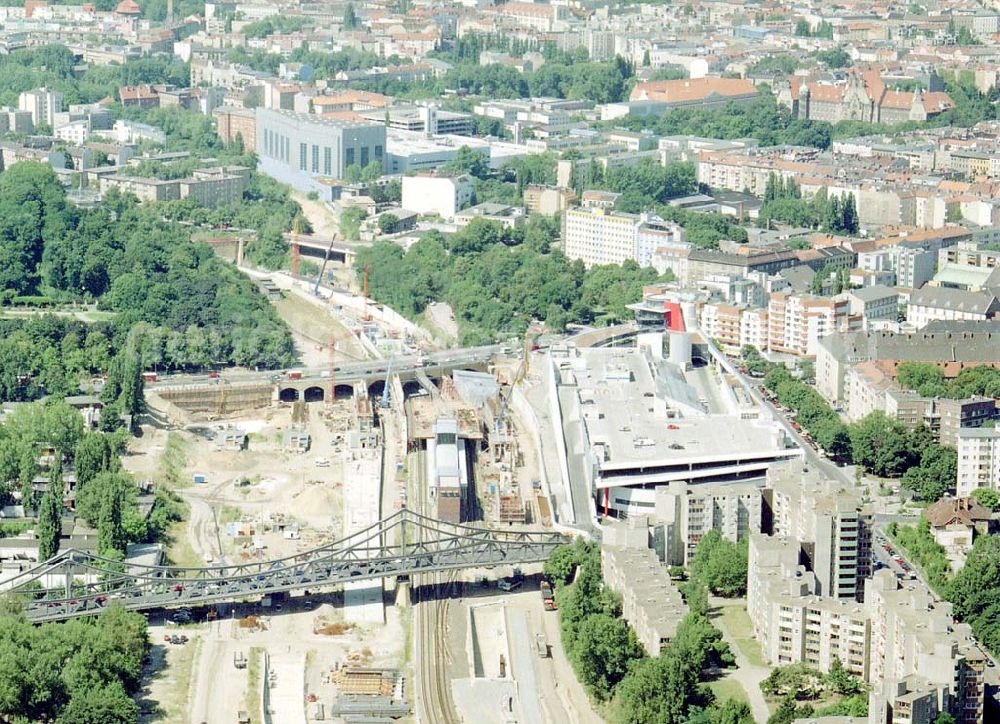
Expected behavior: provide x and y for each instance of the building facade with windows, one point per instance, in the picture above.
(688, 512)
(299, 148)
(978, 459)
(597, 235)
(796, 322)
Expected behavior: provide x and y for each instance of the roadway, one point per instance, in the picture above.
(752, 386)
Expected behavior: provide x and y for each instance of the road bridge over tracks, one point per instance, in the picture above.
(203, 391)
(74, 583)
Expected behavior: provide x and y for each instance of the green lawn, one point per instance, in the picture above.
(727, 688)
(735, 621)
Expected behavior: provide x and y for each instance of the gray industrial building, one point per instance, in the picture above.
(299, 148)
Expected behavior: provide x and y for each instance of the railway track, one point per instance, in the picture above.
(432, 658)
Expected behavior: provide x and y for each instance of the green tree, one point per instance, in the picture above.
(721, 564)
(388, 223)
(95, 453)
(731, 711)
(657, 690)
(562, 562)
(882, 445)
(49, 524)
(935, 474)
(849, 216)
(602, 652)
(350, 17)
(987, 497)
(469, 161)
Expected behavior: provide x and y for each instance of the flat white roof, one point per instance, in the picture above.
(642, 423)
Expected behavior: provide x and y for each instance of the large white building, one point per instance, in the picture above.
(978, 459)
(441, 195)
(300, 149)
(632, 421)
(42, 104)
(601, 236)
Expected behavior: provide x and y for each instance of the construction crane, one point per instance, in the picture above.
(384, 404)
(296, 249)
(220, 409)
(322, 269)
(364, 291)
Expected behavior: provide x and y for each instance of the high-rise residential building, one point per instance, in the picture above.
(922, 662)
(919, 662)
(796, 322)
(792, 623)
(42, 104)
(684, 513)
(297, 148)
(978, 459)
(828, 520)
(601, 236)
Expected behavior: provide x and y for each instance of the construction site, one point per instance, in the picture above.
(266, 476)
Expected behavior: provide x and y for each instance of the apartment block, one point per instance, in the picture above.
(969, 253)
(978, 459)
(796, 322)
(734, 327)
(232, 123)
(952, 346)
(547, 200)
(792, 623)
(687, 512)
(651, 604)
(922, 661)
(873, 303)
(829, 524)
(208, 187)
(600, 236)
(930, 303)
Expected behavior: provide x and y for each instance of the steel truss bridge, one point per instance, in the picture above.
(74, 583)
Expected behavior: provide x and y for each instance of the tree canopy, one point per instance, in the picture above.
(181, 306)
(498, 280)
(85, 670)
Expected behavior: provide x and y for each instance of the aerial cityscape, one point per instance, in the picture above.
(461, 362)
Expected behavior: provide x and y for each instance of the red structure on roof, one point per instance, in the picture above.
(673, 319)
(128, 7)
